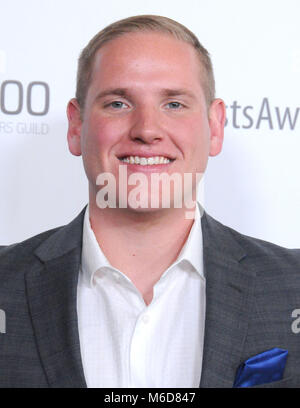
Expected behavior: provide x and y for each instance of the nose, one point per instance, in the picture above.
(146, 125)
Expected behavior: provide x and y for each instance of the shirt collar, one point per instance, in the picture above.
(192, 251)
(93, 258)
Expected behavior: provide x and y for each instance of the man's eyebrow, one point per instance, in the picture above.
(178, 92)
(112, 91)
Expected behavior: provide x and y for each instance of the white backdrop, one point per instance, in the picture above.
(252, 186)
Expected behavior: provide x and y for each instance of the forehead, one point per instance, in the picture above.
(147, 57)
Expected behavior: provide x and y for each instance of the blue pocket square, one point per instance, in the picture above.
(263, 368)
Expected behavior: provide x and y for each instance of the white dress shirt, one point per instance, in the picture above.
(124, 342)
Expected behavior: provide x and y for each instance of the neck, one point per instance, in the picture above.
(142, 245)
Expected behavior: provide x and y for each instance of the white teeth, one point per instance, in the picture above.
(143, 161)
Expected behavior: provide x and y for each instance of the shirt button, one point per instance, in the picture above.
(145, 319)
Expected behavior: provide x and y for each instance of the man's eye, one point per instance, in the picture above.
(174, 105)
(118, 105)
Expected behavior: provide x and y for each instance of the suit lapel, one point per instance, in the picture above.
(52, 295)
(229, 299)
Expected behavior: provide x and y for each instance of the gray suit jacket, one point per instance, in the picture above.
(252, 288)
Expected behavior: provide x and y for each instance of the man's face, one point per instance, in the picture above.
(145, 100)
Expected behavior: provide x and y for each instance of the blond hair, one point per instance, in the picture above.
(144, 23)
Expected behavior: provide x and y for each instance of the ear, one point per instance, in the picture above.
(217, 117)
(74, 129)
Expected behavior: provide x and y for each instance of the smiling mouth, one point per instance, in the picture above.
(146, 161)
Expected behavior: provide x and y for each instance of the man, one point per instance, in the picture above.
(146, 296)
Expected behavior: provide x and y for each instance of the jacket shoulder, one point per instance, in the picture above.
(263, 252)
(18, 255)
(256, 246)
(54, 242)
(18, 258)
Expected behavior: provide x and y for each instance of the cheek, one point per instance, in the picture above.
(99, 136)
(195, 144)
(193, 135)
